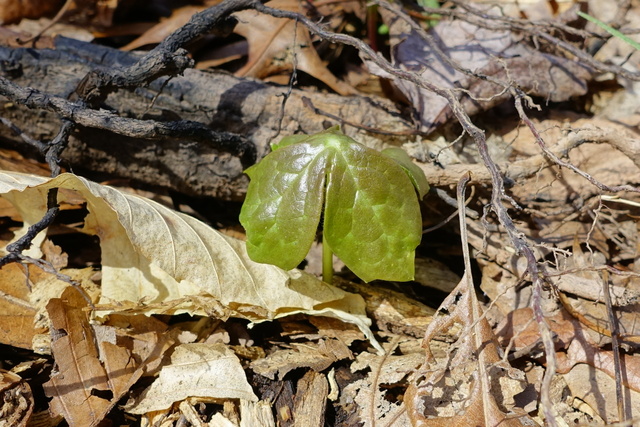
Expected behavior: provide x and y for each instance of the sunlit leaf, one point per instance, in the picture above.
(415, 173)
(371, 213)
(283, 205)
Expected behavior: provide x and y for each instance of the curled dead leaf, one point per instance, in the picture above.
(169, 262)
(89, 380)
(210, 371)
(274, 42)
(17, 402)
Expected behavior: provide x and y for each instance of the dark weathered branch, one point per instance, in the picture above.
(79, 114)
(23, 136)
(169, 58)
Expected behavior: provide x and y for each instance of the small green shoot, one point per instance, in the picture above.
(431, 4)
(610, 30)
(368, 200)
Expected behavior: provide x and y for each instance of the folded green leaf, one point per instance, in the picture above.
(371, 213)
(415, 173)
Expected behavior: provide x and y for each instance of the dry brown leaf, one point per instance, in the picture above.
(577, 340)
(461, 388)
(153, 255)
(73, 19)
(15, 10)
(520, 331)
(8, 211)
(208, 371)
(90, 12)
(45, 32)
(162, 30)
(54, 255)
(498, 54)
(82, 383)
(332, 328)
(17, 402)
(471, 385)
(597, 390)
(595, 316)
(97, 364)
(581, 350)
(308, 355)
(392, 311)
(14, 161)
(145, 337)
(500, 285)
(17, 311)
(273, 42)
(374, 405)
(46, 286)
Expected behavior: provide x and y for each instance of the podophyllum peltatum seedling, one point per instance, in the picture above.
(371, 213)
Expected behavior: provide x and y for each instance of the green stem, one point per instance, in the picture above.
(609, 29)
(327, 261)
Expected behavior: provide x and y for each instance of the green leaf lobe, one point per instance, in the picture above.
(371, 213)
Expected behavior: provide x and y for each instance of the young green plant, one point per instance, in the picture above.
(367, 198)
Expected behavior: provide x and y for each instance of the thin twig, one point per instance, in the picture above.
(555, 159)
(615, 345)
(309, 104)
(469, 212)
(26, 138)
(63, 10)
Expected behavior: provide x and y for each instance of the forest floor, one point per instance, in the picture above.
(127, 296)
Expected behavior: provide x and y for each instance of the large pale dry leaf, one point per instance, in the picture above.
(210, 371)
(153, 255)
(273, 42)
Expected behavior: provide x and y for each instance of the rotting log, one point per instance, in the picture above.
(248, 108)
